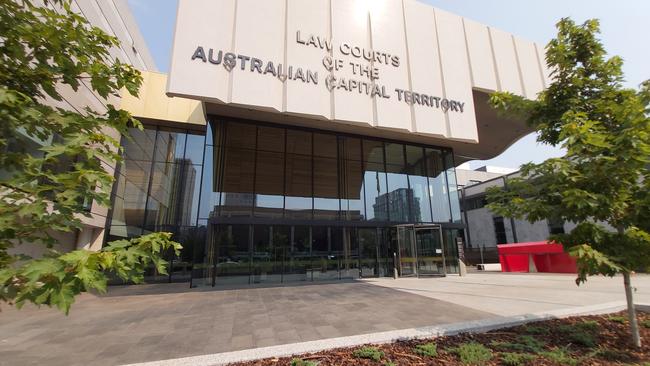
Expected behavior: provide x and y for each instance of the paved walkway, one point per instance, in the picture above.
(509, 294)
(156, 322)
(137, 323)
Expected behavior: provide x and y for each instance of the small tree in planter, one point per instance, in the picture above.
(603, 183)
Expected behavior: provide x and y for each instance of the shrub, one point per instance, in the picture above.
(472, 353)
(582, 339)
(532, 329)
(580, 333)
(617, 319)
(524, 344)
(371, 353)
(590, 326)
(646, 323)
(560, 356)
(428, 349)
(516, 359)
(389, 363)
(301, 362)
(531, 344)
(612, 355)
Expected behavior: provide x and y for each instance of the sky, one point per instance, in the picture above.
(624, 31)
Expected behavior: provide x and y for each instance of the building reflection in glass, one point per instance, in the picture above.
(256, 203)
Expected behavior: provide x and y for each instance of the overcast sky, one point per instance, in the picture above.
(624, 26)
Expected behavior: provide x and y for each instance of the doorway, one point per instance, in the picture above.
(420, 251)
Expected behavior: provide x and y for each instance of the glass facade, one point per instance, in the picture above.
(158, 189)
(270, 204)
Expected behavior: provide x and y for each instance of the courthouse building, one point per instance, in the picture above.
(299, 140)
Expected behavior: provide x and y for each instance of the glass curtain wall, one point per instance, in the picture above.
(374, 181)
(399, 198)
(454, 193)
(253, 203)
(158, 189)
(351, 185)
(438, 185)
(291, 174)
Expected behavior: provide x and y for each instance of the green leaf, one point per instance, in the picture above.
(601, 185)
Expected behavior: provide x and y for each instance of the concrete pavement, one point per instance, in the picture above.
(154, 322)
(509, 294)
(168, 321)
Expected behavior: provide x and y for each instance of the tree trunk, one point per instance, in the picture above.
(631, 311)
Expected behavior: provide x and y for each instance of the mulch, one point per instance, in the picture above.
(612, 335)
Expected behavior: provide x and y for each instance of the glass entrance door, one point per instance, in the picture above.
(421, 252)
(407, 251)
(430, 251)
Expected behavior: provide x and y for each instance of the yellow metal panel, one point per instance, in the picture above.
(153, 103)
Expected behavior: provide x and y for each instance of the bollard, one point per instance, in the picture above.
(395, 274)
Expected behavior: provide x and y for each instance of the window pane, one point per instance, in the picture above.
(399, 198)
(131, 194)
(349, 148)
(349, 253)
(368, 251)
(241, 135)
(451, 248)
(421, 210)
(394, 154)
(193, 241)
(237, 197)
(215, 133)
(352, 202)
(373, 151)
(194, 149)
(118, 232)
(269, 184)
(325, 263)
(140, 144)
(320, 241)
(298, 260)
(205, 255)
(170, 146)
(299, 142)
(298, 200)
(269, 244)
(233, 260)
(454, 193)
(210, 194)
(270, 139)
(189, 195)
(374, 182)
(326, 202)
(500, 230)
(437, 186)
(325, 145)
(165, 192)
(210, 132)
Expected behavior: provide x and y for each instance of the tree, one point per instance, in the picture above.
(603, 183)
(45, 191)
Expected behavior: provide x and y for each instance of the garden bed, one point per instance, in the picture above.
(584, 340)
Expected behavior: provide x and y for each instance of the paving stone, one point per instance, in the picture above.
(328, 331)
(156, 322)
(242, 342)
(265, 342)
(263, 333)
